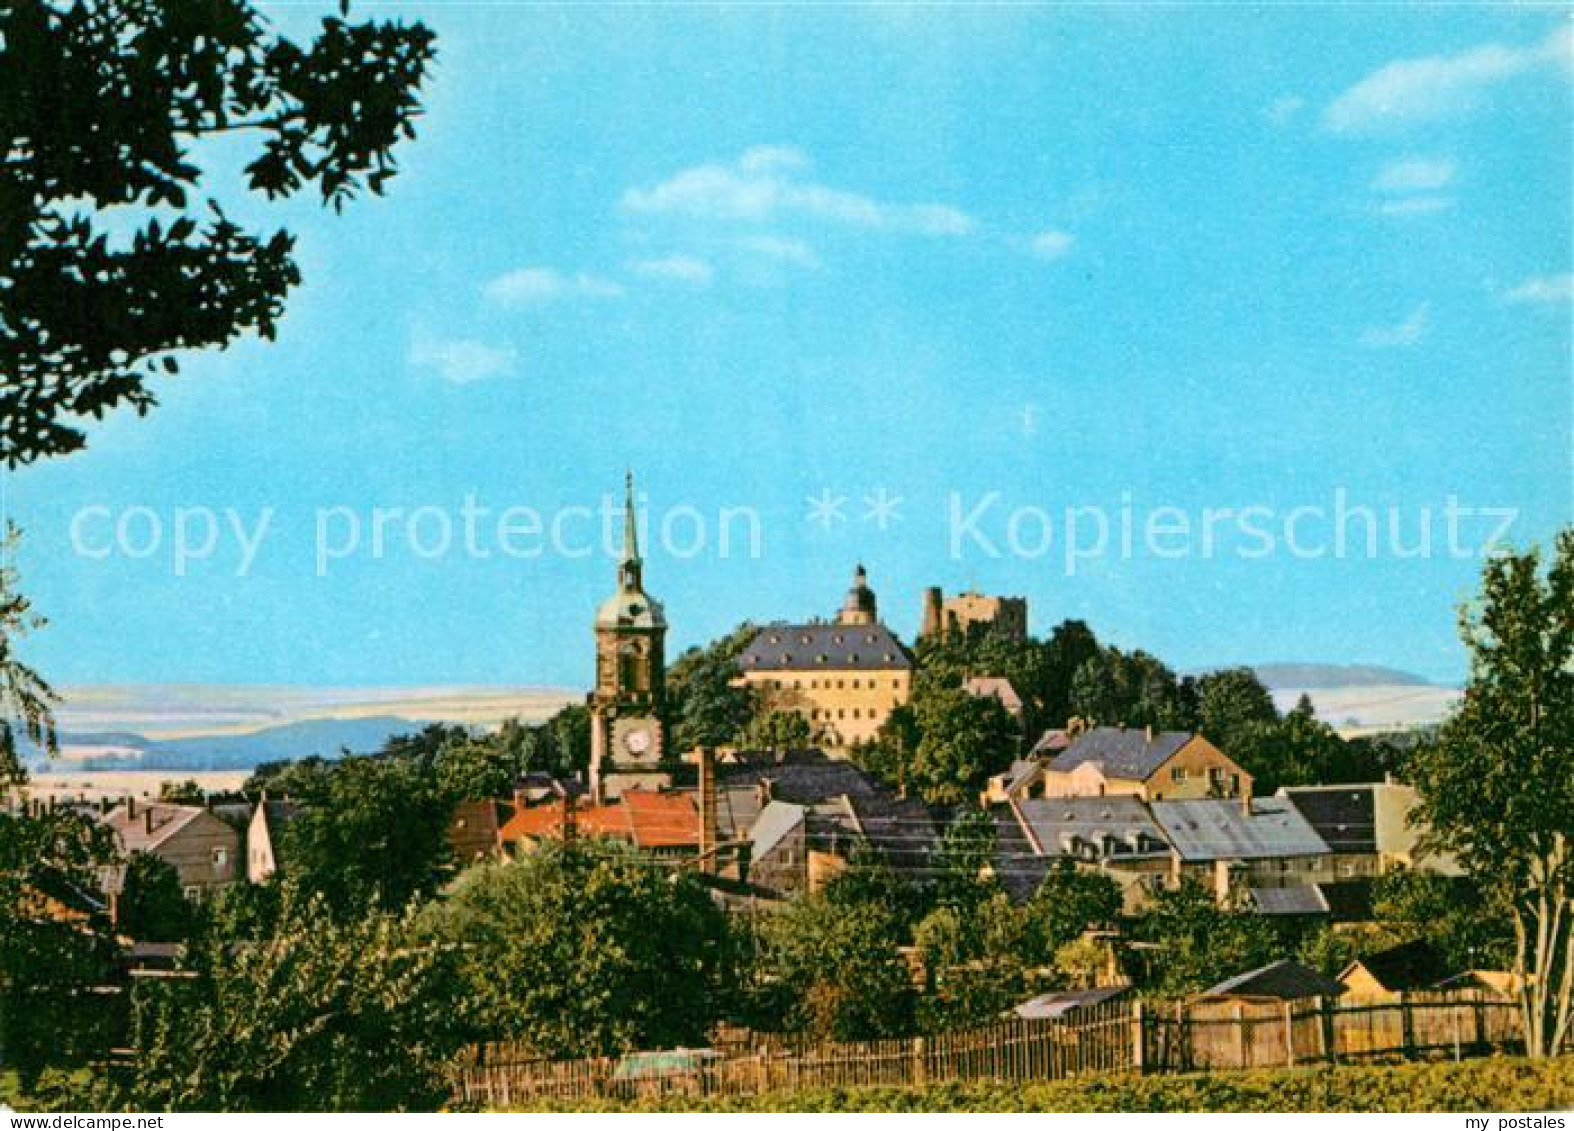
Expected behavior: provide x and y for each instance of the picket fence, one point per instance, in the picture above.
(1114, 1037)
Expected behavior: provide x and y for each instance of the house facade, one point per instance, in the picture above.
(1154, 766)
(204, 850)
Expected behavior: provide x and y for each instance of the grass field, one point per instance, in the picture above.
(1495, 1084)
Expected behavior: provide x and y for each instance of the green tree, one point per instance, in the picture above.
(963, 739)
(1231, 700)
(50, 967)
(1199, 942)
(186, 792)
(1497, 789)
(978, 961)
(317, 1013)
(1468, 924)
(829, 964)
(478, 767)
(779, 730)
(370, 828)
(1068, 902)
(151, 906)
(1115, 688)
(704, 706)
(26, 701)
(587, 949)
(101, 106)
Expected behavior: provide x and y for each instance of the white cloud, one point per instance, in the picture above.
(1401, 336)
(1407, 206)
(773, 159)
(1413, 91)
(680, 268)
(782, 249)
(461, 360)
(1414, 174)
(1282, 110)
(763, 185)
(1545, 290)
(540, 284)
(1052, 244)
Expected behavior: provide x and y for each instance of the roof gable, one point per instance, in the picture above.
(1119, 752)
(1284, 980)
(1414, 965)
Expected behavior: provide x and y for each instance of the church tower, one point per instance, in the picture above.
(627, 736)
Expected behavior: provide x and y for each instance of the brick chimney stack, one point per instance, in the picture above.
(710, 831)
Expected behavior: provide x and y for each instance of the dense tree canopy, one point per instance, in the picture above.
(151, 906)
(1497, 788)
(26, 700)
(370, 828)
(828, 964)
(1199, 942)
(309, 1013)
(704, 707)
(587, 950)
(114, 252)
(50, 966)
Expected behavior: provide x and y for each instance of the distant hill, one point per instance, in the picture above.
(327, 737)
(1313, 677)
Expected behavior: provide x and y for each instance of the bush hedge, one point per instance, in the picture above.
(1495, 1084)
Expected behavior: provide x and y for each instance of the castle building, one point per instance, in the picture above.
(845, 677)
(628, 741)
(959, 617)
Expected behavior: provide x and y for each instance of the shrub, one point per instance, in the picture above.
(1495, 1084)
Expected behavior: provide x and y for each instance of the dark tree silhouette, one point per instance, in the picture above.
(112, 253)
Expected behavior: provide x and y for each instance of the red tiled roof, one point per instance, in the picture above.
(644, 818)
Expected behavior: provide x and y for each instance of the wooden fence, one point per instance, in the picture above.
(1109, 1038)
(1203, 1034)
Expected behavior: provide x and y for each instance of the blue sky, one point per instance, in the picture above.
(1112, 257)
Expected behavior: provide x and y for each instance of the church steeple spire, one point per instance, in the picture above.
(629, 569)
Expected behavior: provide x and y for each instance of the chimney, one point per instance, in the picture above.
(710, 835)
(1148, 730)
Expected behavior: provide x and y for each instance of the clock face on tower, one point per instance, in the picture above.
(635, 740)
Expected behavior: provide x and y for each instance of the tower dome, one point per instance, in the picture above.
(860, 606)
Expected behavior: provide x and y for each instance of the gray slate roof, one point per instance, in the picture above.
(1019, 869)
(843, 804)
(1345, 816)
(827, 647)
(1062, 1002)
(1284, 980)
(1066, 826)
(1302, 899)
(1207, 830)
(775, 822)
(1122, 752)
